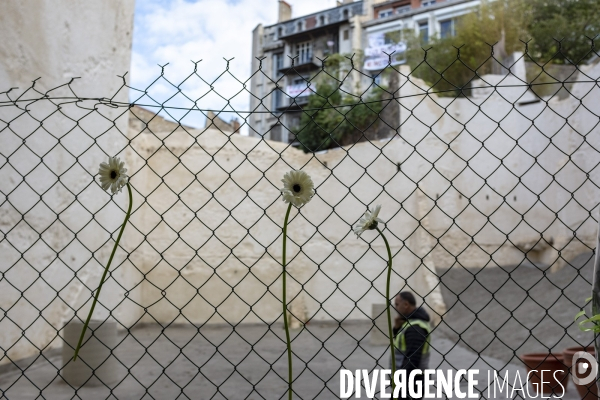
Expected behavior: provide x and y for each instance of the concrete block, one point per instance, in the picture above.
(95, 365)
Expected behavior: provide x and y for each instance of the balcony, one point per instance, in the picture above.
(301, 65)
(296, 96)
(326, 19)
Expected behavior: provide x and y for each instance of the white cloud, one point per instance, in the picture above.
(177, 32)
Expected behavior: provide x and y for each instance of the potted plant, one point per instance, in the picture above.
(589, 391)
(555, 372)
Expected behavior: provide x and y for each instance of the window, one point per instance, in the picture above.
(295, 121)
(386, 13)
(322, 20)
(276, 97)
(279, 32)
(447, 28)
(376, 79)
(345, 14)
(427, 3)
(402, 10)
(346, 34)
(303, 53)
(277, 63)
(424, 31)
(301, 83)
(276, 133)
(299, 26)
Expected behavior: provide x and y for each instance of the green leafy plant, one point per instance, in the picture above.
(549, 31)
(594, 320)
(334, 117)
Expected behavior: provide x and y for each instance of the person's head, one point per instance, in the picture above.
(405, 303)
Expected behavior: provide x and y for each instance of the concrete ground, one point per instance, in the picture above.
(248, 363)
(506, 312)
(494, 315)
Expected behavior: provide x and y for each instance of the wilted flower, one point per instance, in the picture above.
(112, 175)
(368, 221)
(298, 188)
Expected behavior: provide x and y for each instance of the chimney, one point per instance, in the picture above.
(285, 11)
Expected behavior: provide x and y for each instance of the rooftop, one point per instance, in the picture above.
(415, 11)
(354, 6)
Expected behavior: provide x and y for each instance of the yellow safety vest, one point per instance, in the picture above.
(400, 339)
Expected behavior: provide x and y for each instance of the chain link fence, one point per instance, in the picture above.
(489, 190)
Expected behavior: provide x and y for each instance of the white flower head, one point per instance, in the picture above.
(368, 221)
(298, 188)
(112, 175)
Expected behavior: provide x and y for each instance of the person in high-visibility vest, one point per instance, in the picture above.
(411, 334)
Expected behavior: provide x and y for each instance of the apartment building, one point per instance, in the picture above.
(289, 54)
(384, 32)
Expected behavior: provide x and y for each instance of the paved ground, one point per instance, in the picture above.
(501, 313)
(251, 349)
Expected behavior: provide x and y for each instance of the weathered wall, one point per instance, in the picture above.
(483, 181)
(57, 41)
(215, 254)
(204, 243)
(516, 177)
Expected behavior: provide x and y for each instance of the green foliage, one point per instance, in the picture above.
(594, 320)
(567, 20)
(451, 62)
(333, 118)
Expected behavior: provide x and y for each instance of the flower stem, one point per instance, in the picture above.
(87, 322)
(284, 301)
(387, 303)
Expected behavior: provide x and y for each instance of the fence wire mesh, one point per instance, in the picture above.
(489, 190)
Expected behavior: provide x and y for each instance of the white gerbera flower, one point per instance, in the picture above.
(298, 188)
(112, 175)
(368, 221)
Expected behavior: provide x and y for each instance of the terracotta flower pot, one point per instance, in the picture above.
(549, 363)
(589, 391)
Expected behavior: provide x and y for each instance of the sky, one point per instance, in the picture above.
(177, 32)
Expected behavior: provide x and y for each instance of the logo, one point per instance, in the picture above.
(584, 368)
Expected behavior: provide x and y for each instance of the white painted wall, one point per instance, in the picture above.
(225, 264)
(58, 41)
(535, 142)
(438, 213)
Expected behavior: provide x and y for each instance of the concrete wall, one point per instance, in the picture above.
(473, 182)
(215, 255)
(517, 177)
(58, 41)
(476, 182)
(469, 182)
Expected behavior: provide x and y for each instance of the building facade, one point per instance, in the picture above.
(384, 33)
(287, 56)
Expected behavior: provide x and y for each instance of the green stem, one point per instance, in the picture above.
(284, 301)
(87, 322)
(387, 302)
